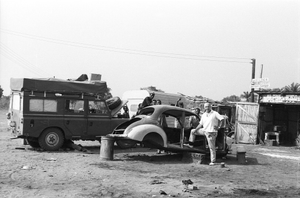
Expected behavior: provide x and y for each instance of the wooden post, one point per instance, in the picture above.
(182, 129)
(253, 77)
(261, 70)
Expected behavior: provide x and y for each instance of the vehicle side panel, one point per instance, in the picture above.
(33, 112)
(100, 125)
(139, 132)
(34, 124)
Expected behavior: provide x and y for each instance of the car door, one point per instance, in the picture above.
(75, 119)
(99, 119)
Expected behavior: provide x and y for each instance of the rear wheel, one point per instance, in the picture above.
(125, 144)
(51, 139)
(153, 140)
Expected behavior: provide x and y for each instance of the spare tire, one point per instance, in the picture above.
(113, 102)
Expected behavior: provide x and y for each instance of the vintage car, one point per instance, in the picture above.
(164, 127)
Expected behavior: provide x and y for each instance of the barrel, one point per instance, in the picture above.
(107, 148)
(241, 154)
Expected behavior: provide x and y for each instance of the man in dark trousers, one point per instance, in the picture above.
(148, 100)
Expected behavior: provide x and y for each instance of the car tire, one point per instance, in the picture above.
(113, 102)
(223, 154)
(153, 140)
(126, 144)
(51, 139)
(33, 143)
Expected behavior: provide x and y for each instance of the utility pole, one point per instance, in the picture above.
(253, 77)
(261, 70)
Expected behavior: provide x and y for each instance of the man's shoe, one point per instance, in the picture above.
(211, 164)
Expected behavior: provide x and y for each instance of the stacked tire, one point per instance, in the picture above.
(113, 102)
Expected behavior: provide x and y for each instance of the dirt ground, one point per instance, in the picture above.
(270, 171)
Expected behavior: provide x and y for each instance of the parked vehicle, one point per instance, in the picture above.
(48, 112)
(152, 128)
(135, 97)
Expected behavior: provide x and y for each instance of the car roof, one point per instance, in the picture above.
(172, 110)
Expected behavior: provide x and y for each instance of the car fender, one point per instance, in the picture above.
(139, 132)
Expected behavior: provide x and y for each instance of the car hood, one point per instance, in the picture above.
(117, 109)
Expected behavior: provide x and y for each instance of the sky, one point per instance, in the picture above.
(179, 46)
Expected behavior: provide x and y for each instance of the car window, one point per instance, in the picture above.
(147, 111)
(179, 124)
(178, 113)
(162, 120)
(42, 105)
(97, 107)
(16, 101)
(75, 106)
(174, 118)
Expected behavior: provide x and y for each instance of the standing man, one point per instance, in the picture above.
(211, 121)
(148, 101)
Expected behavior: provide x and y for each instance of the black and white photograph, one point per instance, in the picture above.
(149, 98)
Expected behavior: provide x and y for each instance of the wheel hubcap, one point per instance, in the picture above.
(52, 139)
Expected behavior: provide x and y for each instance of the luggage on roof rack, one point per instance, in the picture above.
(57, 85)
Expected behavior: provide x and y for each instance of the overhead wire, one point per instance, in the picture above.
(131, 51)
(25, 64)
(18, 63)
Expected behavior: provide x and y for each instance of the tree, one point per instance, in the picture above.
(232, 98)
(246, 95)
(276, 90)
(294, 87)
(1, 92)
(4, 102)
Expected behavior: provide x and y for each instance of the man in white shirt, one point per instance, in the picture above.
(210, 123)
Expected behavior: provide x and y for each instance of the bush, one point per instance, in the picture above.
(4, 102)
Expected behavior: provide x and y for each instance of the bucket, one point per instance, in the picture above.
(222, 165)
(241, 157)
(107, 148)
(241, 154)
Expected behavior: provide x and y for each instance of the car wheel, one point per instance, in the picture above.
(51, 139)
(153, 140)
(113, 102)
(126, 144)
(225, 153)
(33, 142)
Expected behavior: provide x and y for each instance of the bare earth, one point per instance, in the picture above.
(24, 172)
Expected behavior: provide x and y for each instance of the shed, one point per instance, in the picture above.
(280, 112)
